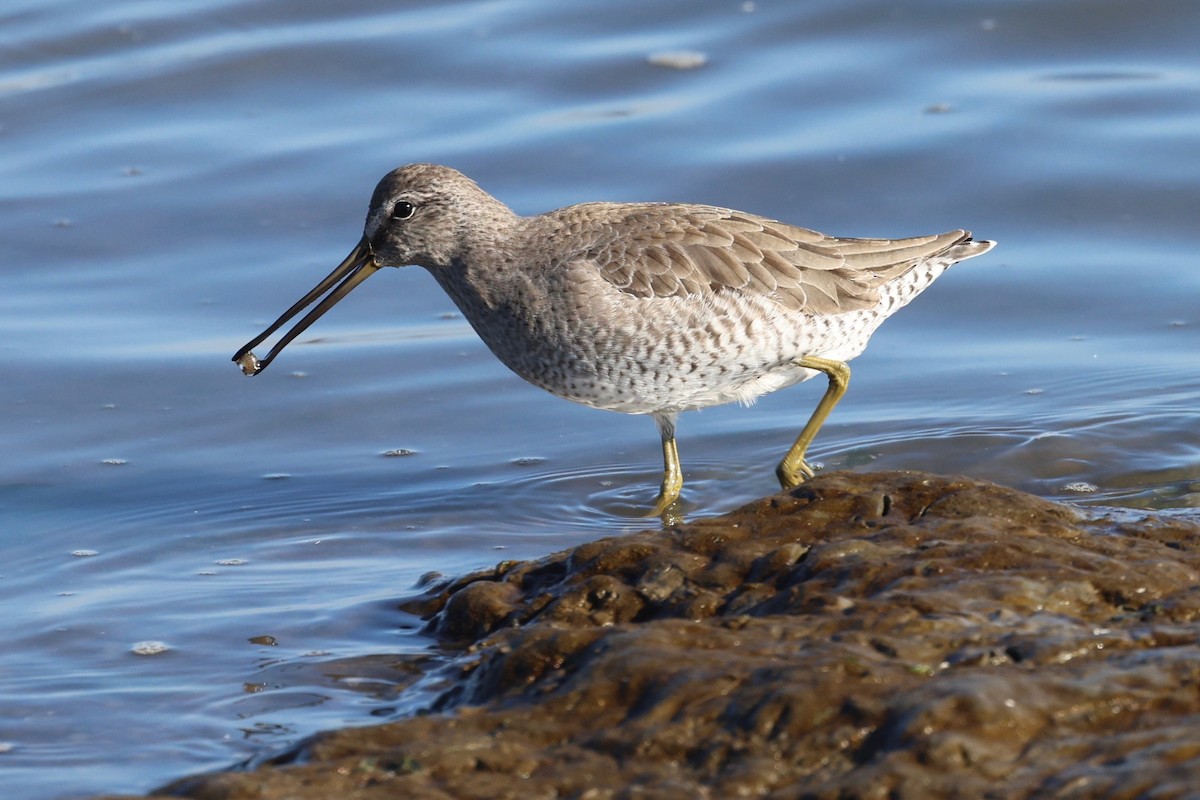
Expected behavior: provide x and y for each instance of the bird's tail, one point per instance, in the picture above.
(968, 248)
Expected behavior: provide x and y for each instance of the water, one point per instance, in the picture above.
(175, 175)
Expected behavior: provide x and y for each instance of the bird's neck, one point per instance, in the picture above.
(489, 271)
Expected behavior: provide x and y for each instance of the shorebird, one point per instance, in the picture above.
(642, 308)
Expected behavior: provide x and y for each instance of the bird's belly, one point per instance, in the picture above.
(641, 389)
(648, 362)
(673, 372)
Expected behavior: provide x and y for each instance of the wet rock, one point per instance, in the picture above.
(878, 635)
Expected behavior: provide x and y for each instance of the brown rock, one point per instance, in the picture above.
(881, 635)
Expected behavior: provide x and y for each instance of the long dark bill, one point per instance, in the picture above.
(357, 267)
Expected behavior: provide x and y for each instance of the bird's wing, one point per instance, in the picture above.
(664, 250)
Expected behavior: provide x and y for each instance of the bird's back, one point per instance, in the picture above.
(661, 250)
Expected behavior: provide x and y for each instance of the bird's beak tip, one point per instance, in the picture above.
(248, 362)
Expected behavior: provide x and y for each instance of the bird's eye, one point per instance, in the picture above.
(403, 210)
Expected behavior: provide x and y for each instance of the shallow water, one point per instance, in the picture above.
(177, 174)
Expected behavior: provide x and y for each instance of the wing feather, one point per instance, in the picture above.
(666, 250)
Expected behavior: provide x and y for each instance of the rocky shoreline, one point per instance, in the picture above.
(865, 635)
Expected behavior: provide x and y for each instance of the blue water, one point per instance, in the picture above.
(177, 174)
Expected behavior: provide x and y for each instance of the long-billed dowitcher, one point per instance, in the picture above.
(644, 308)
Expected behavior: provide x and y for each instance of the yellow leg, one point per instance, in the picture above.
(672, 480)
(794, 470)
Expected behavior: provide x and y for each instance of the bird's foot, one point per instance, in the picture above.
(794, 473)
(666, 506)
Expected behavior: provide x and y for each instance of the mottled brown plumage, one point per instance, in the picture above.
(670, 250)
(644, 308)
